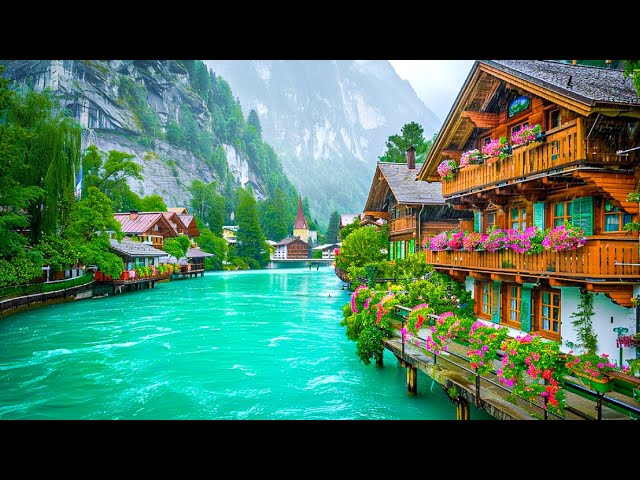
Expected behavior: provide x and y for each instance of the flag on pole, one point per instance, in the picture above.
(79, 183)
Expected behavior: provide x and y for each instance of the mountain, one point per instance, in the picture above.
(328, 120)
(179, 120)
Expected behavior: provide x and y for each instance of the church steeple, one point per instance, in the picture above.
(301, 222)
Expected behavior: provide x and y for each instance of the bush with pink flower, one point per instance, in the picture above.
(455, 241)
(589, 364)
(495, 148)
(564, 237)
(472, 157)
(473, 241)
(484, 343)
(446, 169)
(525, 135)
(437, 242)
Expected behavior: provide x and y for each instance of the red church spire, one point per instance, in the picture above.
(301, 222)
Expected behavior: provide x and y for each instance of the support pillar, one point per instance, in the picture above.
(412, 379)
(463, 412)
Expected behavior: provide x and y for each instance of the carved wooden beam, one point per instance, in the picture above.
(482, 119)
(453, 154)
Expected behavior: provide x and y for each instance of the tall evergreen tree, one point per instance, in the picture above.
(276, 219)
(334, 227)
(251, 243)
(254, 121)
(397, 145)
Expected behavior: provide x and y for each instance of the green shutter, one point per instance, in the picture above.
(582, 214)
(412, 246)
(495, 300)
(398, 250)
(538, 215)
(392, 252)
(477, 222)
(525, 308)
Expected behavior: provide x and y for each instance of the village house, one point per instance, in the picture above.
(541, 143)
(291, 248)
(148, 227)
(412, 209)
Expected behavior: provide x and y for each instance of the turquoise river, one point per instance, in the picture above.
(256, 345)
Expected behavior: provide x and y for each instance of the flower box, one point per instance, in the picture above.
(600, 385)
(98, 276)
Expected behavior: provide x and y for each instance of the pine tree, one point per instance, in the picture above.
(251, 241)
(254, 121)
(334, 226)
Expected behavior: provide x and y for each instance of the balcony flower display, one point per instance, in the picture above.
(472, 157)
(446, 169)
(438, 242)
(496, 148)
(455, 241)
(495, 240)
(484, 342)
(564, 237)
(473, 241)
(526, 135)
(590, 365)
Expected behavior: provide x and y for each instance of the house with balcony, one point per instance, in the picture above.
(291, 248)
(542, 143)
(412, 209)
(148, 227)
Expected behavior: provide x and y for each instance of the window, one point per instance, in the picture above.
(486, 140)
(518, 127)
(513, 304)
(490, 220)
(486, 299)
(550, 311)
(518, 218)
(562, 212)
(614, 218)
(554, 118)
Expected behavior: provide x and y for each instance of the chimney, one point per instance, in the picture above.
(411, 158)
(133, 214)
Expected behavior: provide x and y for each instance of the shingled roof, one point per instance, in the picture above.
(590, 85)
(136, 249)
(407, 190)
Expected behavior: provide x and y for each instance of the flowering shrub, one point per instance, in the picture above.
(417, 317)
(529, 365)
(473, 241)
(484, 342)
(495, 240)
(455, 241)
(564, 237)
(358, 298)
(447, 327)
(438, 242)
(472, 157)
(590, 365)
(446, 169)
(525, 135)
(495, 148)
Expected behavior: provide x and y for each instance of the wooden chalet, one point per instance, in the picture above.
(580, 168)
(148, 227)
(137, 253)
(175, 221)
(291, 248)
(413, 209)
(191, 228)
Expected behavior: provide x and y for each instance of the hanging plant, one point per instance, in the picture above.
(447, 169)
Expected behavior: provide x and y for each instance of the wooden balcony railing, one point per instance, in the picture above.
(402, 224)
(603, 259)
(560, 149)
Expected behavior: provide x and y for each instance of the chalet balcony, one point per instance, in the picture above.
(562, 150)
(600, 262)
(402, 225)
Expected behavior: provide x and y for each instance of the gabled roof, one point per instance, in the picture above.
(175, 220)
(402, 183)
(136, 249)
(289, 240)
(186, 219)
(197, 253)
(178, 210)
(142, 223)
(588, 84)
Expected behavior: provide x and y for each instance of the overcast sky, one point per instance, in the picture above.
(437, 82)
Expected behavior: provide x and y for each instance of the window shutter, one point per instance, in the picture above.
(582, 214)
(525, 308)
(392, 246)
(495, 301)
(538, 215)
(477, 222)
(412, 246)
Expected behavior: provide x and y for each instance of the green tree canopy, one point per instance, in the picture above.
(210, 243)
(251, 243)
(254, 121)
(177, 246)
(152, 203)
(208, 205)
(347, 230)
(397, 145)
(334, 227)
(363, 246)
(276, 216)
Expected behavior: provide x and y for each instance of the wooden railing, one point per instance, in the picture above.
(402, 223)
(560, 149)
(605, 259)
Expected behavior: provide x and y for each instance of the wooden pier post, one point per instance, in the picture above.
(412, 379)
(379, 360)
(463, 412)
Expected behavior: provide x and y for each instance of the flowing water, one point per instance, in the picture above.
(263, 344)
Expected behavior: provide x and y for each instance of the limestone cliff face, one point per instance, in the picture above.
(91, 90)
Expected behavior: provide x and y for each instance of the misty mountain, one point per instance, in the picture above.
(328, 120)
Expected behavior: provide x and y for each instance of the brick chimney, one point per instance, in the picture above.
(411, 158)
(133, 214)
